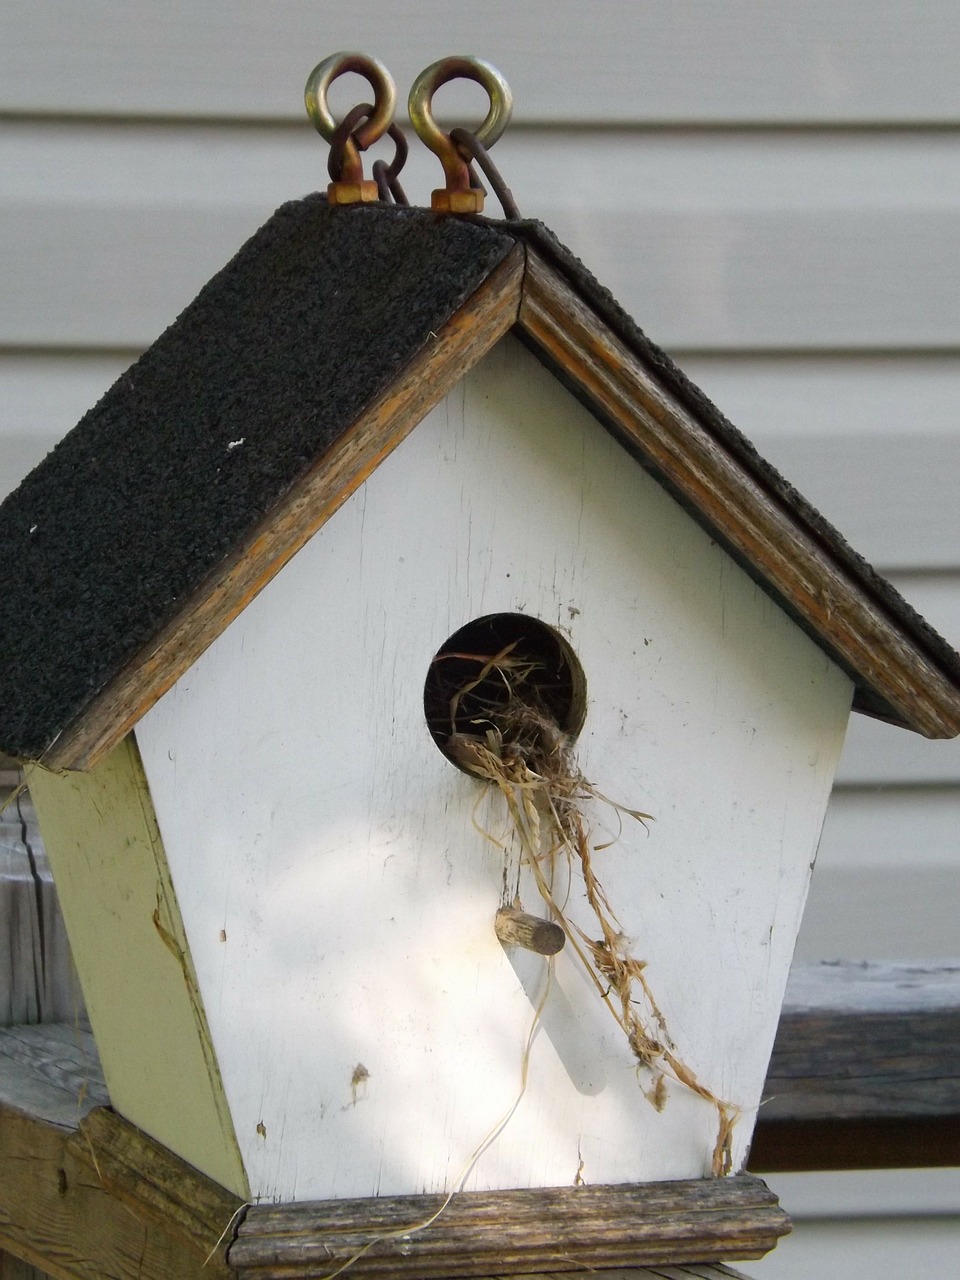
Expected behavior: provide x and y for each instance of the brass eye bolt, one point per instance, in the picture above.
(359, 129)
(459, 195)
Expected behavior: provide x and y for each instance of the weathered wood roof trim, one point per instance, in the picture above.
(902, 670)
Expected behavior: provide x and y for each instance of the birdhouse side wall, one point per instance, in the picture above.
(133, 960)
(339, 878)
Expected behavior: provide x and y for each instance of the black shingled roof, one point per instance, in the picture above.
(284, 348)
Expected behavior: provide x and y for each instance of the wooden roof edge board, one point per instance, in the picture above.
(903, 671)
(514, 1232)
(306, 507)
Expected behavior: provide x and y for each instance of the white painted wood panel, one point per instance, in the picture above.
(354, 892)
(717, 60)
(810, 241)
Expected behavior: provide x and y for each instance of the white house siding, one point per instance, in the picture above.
(772, 190)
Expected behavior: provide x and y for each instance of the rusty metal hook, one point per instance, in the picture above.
(458, 196)
(350, 187)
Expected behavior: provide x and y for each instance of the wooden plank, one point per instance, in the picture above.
(157, 1186)
(39, 981)
(127, 935)
(865, 1071)
(51, 1071)
(743, 241)
(106, 1201)
(513, 1232)
(308, 504)
(867, 1041)
(806, 1146)
(861, 60)
(752, 522)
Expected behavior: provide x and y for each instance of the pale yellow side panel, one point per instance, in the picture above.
(131, 951)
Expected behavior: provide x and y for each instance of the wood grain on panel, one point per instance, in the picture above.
(860, 1041)
(38, 981)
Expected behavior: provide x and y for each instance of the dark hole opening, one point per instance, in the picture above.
(541, 668)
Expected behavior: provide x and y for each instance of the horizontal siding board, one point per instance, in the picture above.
(887, 878)
(874, 1193)
(798, 60)
(877, 754)
(821, 242)
(869, 829)
(744, 242)
(908, 914)
(859, 397)
(863, 1248)
(904, 491)
(44, 396)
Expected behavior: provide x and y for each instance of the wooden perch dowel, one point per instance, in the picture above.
(516, 928)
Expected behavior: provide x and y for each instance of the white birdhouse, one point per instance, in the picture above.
(401, 592)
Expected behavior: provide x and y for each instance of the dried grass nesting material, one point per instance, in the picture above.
(521, 749)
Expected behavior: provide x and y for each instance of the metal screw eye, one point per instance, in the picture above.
(384, 96)
(421, 113)
(359, 129)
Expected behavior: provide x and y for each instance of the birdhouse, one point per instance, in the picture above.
(431, 704)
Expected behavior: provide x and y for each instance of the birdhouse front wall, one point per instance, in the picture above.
(338, 877)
